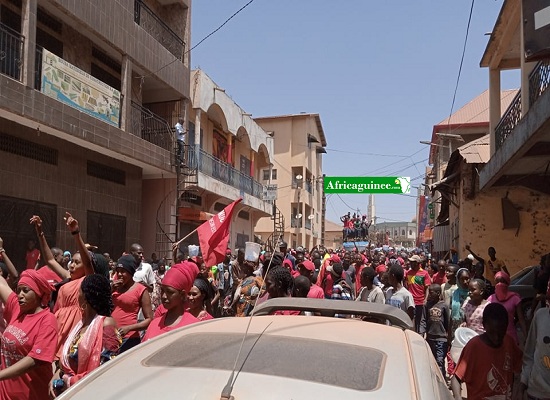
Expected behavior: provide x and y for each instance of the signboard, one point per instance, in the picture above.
(78, 89)
(192, 214)
(270, 192)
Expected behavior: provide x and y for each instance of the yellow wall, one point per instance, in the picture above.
(481, 225)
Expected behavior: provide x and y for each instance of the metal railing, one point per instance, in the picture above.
(539, 81)
(509, 121)
(151, 127)
(156, 27)
(224, 172)
(38, 68)
(11, 52)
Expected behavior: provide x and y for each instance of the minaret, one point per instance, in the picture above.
(371, 210)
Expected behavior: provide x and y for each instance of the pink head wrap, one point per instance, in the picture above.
(38, 284)
(181, 276)
(503, 275)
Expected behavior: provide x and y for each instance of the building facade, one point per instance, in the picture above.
(226, 154)
(88, 99)
(296, 170)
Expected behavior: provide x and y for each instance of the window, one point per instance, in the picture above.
(266, 174)
(410, 232)
(107, 232)
(403, 232)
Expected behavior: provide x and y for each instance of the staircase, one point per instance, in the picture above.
(167, 212)
(278, 231)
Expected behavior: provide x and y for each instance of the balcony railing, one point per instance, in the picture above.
(509, 121)
(11, 52)
(224, 172)
(539, 81)
(156, 27)
(151, 127)
(38, 68)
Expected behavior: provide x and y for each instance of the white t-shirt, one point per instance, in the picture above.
(180, 132)
(145, 274)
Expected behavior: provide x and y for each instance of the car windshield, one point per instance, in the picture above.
(354, 367)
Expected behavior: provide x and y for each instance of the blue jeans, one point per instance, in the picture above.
(439, 350)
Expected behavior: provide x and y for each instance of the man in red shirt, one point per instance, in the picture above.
(32, 256)
(440, 277)
(417, 281)
(306, 269)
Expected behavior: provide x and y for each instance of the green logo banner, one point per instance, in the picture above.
(367, 184)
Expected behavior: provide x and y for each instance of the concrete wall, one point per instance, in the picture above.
(68, 186)
(113, 22)
(481, 225)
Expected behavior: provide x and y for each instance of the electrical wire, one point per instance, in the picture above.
(461, 61)
(200, 42)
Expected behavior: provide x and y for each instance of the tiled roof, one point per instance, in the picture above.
(477, 110)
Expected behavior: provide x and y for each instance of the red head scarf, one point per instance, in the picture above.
(38, 284)
(181, 276)
(504, 276)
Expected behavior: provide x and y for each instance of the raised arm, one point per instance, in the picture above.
(11, 268)
(478, 258)
(45, 249)
(74, 228)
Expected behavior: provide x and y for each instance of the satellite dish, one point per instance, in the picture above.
(311, 216)
(299, 177)
(298, 216)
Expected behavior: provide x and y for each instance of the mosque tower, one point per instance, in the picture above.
(371, 210)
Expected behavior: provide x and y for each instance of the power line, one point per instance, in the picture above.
(461, 60)
(200, 42)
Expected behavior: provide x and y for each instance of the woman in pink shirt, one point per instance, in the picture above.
(176, 285)
(511, 302)
(129, 297)
(27, 347)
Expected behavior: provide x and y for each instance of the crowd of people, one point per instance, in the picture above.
(77, 310)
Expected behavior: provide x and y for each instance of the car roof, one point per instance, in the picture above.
(330, 350)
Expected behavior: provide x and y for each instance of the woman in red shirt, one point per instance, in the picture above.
(66, 308)
(128, 298)
(198, 299)
(176, 285)
(27, 347)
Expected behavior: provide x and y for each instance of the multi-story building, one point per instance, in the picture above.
(227, 154)
(89, 96)
(299, 143)
(395, 233)
(504, 201)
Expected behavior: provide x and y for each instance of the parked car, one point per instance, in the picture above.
(277, 357)
(522, 283)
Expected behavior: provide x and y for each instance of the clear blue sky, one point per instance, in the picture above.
(379, 73)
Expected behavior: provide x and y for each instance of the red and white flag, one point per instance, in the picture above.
(214, 235)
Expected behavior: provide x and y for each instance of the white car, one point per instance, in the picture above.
(277, 357)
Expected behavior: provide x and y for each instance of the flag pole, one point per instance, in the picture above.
(176, 244)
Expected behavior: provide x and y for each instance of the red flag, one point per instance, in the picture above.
(214, 235)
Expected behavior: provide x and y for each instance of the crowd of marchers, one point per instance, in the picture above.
(70, 311)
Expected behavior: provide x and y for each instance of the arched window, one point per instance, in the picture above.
(403, 232)
(410, 232)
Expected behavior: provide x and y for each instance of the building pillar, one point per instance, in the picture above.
(495, 112)
(252, 157)
(28, 30)
(126, 89)
(230, 148)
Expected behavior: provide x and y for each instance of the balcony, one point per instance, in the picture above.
(152, 24)
(11, 52)
(224, 172)
(539, 80)
(150, 127)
